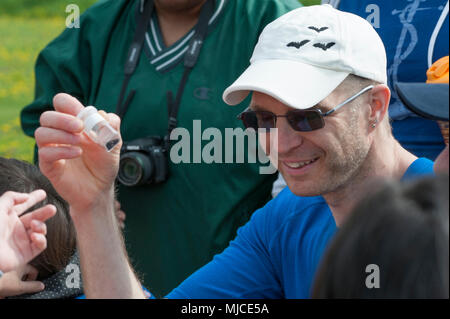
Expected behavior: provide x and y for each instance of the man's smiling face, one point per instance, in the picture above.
(318, 162)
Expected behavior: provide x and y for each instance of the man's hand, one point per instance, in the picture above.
(22, 236)
(83, 173)
(20, 281)
(79, 169)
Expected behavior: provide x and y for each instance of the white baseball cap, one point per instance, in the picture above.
(304, 55)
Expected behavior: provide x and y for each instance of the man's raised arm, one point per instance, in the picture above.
(83, 173)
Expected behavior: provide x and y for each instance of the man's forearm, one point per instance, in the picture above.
(104, 263)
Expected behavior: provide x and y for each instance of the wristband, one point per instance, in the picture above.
(1, 274)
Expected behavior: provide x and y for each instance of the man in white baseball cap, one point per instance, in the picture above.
(325, 72)
(318, 76)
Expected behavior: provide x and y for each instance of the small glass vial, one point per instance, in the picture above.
(98, 129)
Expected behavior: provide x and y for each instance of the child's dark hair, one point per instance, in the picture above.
(404, 230)
(19, 176)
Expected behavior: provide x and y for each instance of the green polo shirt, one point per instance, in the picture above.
(173, 228)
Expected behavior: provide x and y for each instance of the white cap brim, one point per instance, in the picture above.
(293, 83)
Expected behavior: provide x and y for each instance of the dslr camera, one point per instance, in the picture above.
(144, 161)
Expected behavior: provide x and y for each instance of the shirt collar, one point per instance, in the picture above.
(165, 58)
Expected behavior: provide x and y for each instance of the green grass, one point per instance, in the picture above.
(22, 39)
(37, 9)
(26, 27)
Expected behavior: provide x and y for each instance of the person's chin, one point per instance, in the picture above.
(305, 187)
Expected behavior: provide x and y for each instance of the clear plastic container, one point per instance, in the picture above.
(98, 129)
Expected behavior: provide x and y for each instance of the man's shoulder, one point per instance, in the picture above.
(95, 28)
(106, 12)
(288, 200)
(289, 210)
(106, 7)
(420, 167)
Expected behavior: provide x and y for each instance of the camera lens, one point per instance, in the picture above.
(131, 169)
(135, 169)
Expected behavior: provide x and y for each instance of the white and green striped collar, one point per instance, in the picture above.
(162, 58)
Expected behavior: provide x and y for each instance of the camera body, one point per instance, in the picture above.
(144, 161)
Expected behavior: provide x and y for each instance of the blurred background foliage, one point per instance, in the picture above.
(26, 27)
(40, 8)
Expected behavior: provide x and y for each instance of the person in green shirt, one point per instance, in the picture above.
(174, 227)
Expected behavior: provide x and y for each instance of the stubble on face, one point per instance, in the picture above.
(346, 163)
(344, 152)
(341, 147)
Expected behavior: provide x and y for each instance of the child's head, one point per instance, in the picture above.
(19, 176)
(396, 238)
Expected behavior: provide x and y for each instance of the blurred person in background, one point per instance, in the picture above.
(430, 101)
(394, 245)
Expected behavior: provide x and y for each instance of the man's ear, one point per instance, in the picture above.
(379, 99)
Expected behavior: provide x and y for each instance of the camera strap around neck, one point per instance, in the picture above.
(190, 59)
(133, 56)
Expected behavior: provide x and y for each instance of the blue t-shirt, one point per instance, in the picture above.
(276, 254)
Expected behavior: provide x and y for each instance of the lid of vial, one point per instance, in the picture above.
(87, 111)
(90, 117)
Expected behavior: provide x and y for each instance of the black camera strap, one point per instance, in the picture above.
(134, 54)
(190, 60)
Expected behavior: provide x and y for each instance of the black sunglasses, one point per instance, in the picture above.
(300, 120)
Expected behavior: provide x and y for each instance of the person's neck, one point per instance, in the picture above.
(176, 24)
(386, 159)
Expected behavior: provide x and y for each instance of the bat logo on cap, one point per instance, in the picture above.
(298, 45)
(324, 46)
(317, 29)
